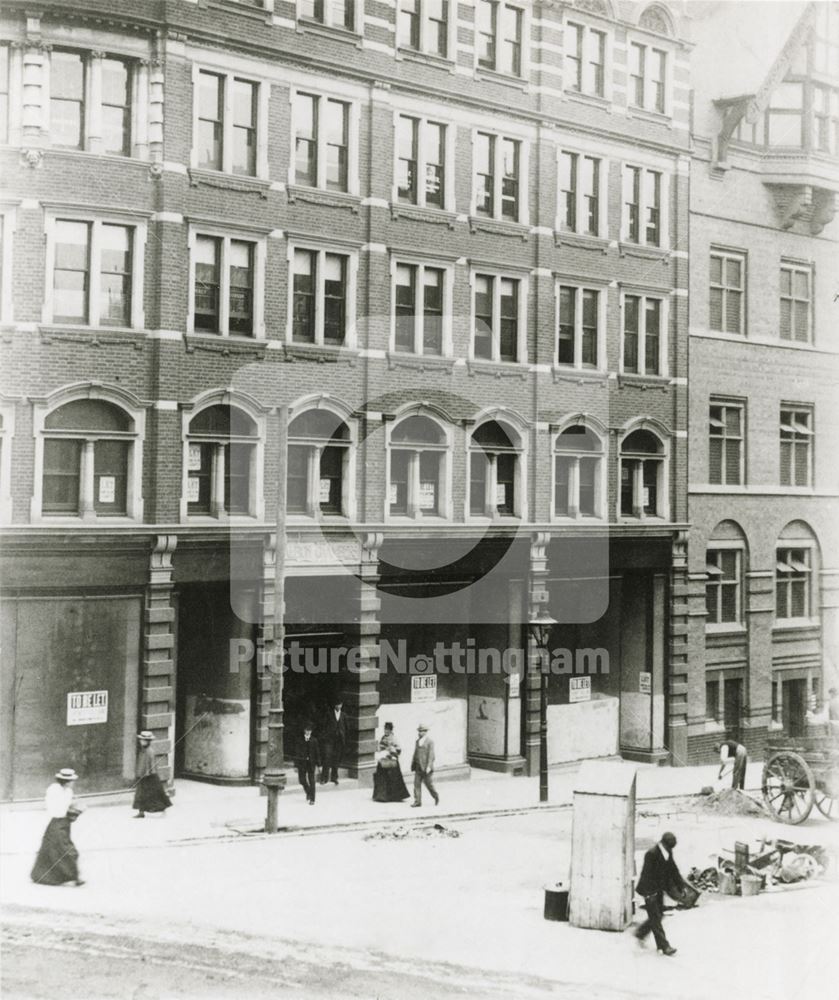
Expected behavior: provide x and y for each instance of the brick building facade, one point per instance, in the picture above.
(433, 259)
(763, 372)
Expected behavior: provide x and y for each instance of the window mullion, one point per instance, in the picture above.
(492, 486)
(419, 308)
(497, 161)
(320, 304)
(421, 159)
(574, 487)
(313, 481)
(638, 488)
(227, 124)
(578, 328)
(414, 484)
(320, 140)
(642, 335)
(496, 318)
(86, 480)
(217, 480)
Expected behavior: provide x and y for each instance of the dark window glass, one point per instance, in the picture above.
(568, 190)
(62, 466)
(483, 316)
(567, 324)
(652, 336)
(67, 85)
(510, 179)
(436, 27)
(297, 494)
(589, 346)
(115, 275)
(591, 200)
(406, 276)
(432, 322)
(241, 288)
(435, 161)
(210, 105)
(406, 181)
(588, 476)
(399, 472)
(237, 477)
(631, 198)
(303, 307)
(331, 478)
(334, 299)
(207, 284)
(110, 476)
(653, 207)
(71, 274)
(485, 168)
(244, 127)
(486, 17)
(573, 35)
(562, 478)
(305, 157)
(631, 314)
(430, 464)
(116, 107)
(511, 28)
(313, 9)
(337, 119)
(508, 346)
(478, 470)
(505, 472)
(409, 24)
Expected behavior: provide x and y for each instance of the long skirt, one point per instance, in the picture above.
(150, 795)
(58, 859)
(389, 785)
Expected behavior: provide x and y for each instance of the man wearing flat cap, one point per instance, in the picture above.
(422, 764)
(659, 875)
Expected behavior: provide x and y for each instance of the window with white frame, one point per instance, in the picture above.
(578, 332)
(727, 288)
(335, 13)
(725, 442)
(578, 471)
(796, 430)
(421, 162)
(647, 77)
(88, 460)
(643, 485)
(96, 272)
(423, 25)
(91, 101)
(322, 137)
(796, 302)
(498, 327)
(585, 59)
(644, 334)
(495, 454)
(724, 585)
(498, 177)
(225, 285)
(227, 124)
(419, 453)
(579, 193)
(319, 453)
(793, 582)
(4, 93)
(419, 305)
(499, 29)
(642, 206)
(221, 454)
(320, 300)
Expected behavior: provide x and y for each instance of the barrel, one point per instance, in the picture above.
(556, 902)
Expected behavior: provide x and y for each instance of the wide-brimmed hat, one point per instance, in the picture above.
(422, 728)
(145, 735)
(66, 774)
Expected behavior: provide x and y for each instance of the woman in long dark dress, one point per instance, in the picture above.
(149, 795)
(58, 859)
(388, 783)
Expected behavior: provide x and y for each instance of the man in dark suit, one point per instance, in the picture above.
(422, 764)
(659, 875)
(307, 759)
(333, 737)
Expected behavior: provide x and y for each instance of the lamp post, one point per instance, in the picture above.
(541, 626)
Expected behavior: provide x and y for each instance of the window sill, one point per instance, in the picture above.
(319, 196)
(497, 369)
(725, 629)
(497, 76)
(219, 519)
(795, 625)
(312, 520)
(499, 227)
(228, 181)
(406, 519)
(223, 343)
(421, 213)
(307, 26)
(652, 519)
(645, 114)
(420, 362)
(583, 519)
(94, 332)
(644, 381)
(323, 353)
(113, 157)
(712, 726)
(77, 521)
(580, 241)
(426, 58)
(568, 373)
(591, 100)
(642, 250)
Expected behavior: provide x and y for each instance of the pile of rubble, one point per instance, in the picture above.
(751, 870)
(732, 802)
(404, 832)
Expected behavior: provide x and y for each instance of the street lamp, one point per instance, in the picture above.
(540, 626)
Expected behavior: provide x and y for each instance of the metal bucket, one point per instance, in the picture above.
(556, 902)
(728, 883)
(750, 884)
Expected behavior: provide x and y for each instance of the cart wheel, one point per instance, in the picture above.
(788, 787)
(827, 805)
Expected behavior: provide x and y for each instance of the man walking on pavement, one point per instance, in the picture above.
(307, 759)
(334, 737)
(659, 875)
(422, 764)
(734, 753)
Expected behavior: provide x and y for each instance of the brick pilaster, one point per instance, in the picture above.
(157, 710)
(537, 598)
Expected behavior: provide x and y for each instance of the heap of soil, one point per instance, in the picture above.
(732, 802)
(406, 832)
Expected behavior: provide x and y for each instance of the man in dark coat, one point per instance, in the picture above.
(307, 759)
(333, 738)
(659, 875)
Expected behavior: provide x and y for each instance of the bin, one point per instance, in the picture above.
(750, 885)
(556, 902)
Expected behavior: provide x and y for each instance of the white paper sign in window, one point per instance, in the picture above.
(394, 493)
(193, 489)
(325, 490)
(428, 496)
(194, 461)
(107, 489)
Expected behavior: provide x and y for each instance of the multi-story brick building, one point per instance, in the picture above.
(764, 378)
(429, 257)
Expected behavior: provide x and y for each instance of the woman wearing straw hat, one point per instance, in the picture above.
(150, 795)
(58, 859)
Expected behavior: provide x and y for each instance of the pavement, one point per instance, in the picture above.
(203, 811)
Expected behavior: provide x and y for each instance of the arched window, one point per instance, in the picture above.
(725, 566)
(318, 462)
(578, 458)
(221, 452)
(87, 460)
(642, 475)
(495, 471)
(418, 468)
(795, 571)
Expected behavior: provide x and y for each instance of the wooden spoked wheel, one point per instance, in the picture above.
(789, 788)
(827, 805)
